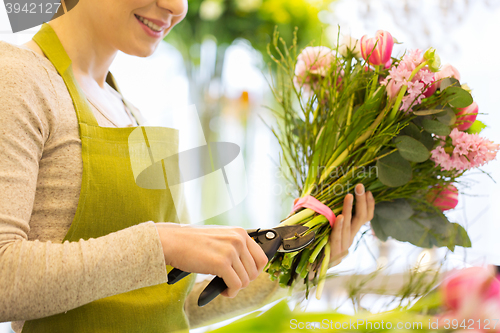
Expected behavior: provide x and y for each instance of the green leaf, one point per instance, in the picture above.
(261, 321)
(433, 300)
(458, 97)
(429, 112)
(427, 140)
(447, 117)
(433, 126)
(404, 231)
(449, 82)
(376, 223)
(423, 229)
(399, 209)
(459, 236)
(411, 149)
(443, 231)
(375, 185)
(476, 127)
(393, 170)
(411, 130)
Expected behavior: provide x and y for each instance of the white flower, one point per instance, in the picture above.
(351, 44)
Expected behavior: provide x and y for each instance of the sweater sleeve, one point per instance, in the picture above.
(39, 279)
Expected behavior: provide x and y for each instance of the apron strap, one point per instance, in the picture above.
(47, 40)
(110, 79)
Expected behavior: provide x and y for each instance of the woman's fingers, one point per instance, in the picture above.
(346, 235)
(256, 259)
(336, 240)
(371, 205)
(233, 277)
(227, 252)
(343, 236)
(347, 207)
(361, 204)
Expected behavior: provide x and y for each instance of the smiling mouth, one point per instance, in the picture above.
(149, 24)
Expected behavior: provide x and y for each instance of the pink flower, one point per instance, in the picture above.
(469, 151)
(444, 199)
(447, 71)
(393, 89)
(472, 294)
(378, 48)
(312, 61)
(413, 59)
(467, 116)
(401, 74)
(430, 90)
(472, 281)
(315, 60)
(388, 64)
(432, 87)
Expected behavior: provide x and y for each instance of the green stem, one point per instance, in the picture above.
(315, 113)
(315, 221)
(349, 111)
(358, 141)
(318, 249)
(335, 164)
(375, 80)
(372, 127)
(298, 217)
(303, 260)
(347, 176)
(323, 270)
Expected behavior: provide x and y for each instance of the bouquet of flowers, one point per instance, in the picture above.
(403, 126)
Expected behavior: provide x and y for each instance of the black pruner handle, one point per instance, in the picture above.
(175, 275)
(214, 288)
(217, 285)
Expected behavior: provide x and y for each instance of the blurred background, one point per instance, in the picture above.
(216, 59)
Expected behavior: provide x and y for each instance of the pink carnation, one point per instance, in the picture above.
(469, 151)
(312, 61)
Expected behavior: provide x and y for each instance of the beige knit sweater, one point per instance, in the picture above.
(40, 178)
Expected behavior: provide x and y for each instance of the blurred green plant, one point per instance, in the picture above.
(253, 20)
(280, 319)
(414, 301)
(211, 26)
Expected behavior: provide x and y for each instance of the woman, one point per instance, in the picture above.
(77, 253)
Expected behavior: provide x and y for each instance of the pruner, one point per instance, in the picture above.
(288, 238)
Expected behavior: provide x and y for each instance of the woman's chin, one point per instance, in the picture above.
(142, 50)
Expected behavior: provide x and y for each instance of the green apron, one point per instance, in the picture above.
(110, 201)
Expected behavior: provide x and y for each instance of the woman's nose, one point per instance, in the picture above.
(175, 7)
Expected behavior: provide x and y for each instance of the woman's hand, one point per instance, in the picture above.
(227, 252)
(347, 226)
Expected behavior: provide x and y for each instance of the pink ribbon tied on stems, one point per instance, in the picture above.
(316, 205)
